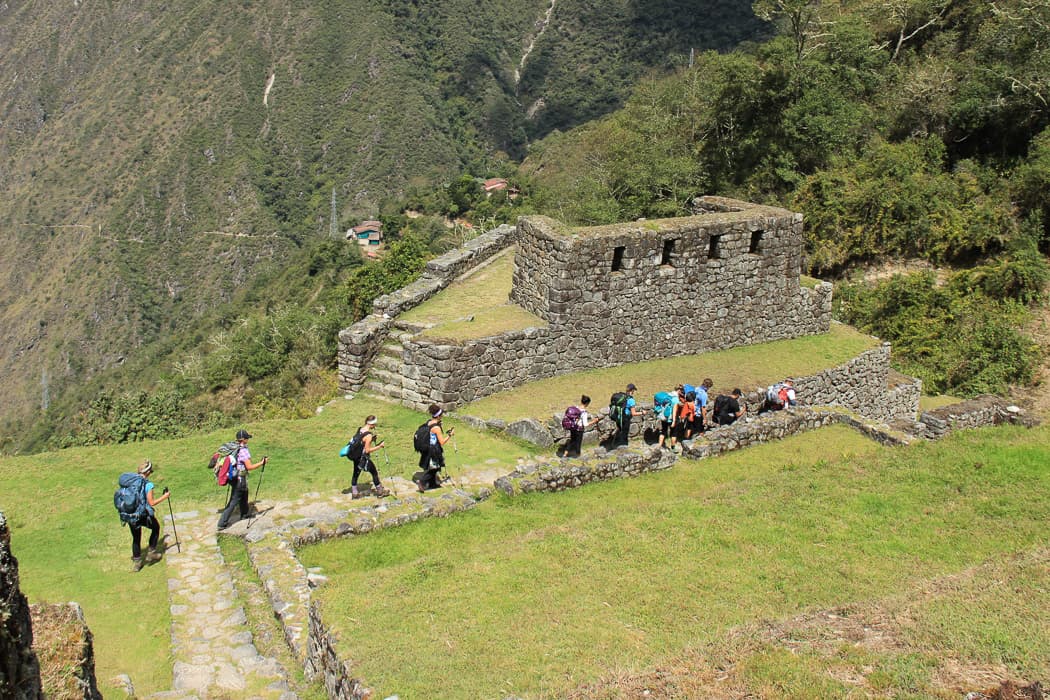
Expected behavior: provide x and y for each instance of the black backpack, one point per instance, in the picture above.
(721, 407)
(355, 447)
(421, 440)
(617, 406)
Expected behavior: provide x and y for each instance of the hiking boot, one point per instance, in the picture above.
(153, 556)
(137, 563)
(355, 494)
(419, 485)
(380, 492)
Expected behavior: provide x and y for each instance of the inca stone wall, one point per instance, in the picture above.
(669, 287)
(58, 625)
(19, 668)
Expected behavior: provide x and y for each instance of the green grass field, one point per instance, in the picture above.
(537, 594)
(745, 367)
(71, 545)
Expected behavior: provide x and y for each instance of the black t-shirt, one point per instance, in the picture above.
(726, 408)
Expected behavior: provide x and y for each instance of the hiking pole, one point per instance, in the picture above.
(178, 545)
(262, 473)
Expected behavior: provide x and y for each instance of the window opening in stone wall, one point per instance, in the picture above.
(756, 242)
(617, 264)
(713, 250)
(665, 259)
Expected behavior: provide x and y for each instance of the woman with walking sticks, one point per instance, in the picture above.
(361, 446)
(430, 442)
(154, 554)
(239, 480)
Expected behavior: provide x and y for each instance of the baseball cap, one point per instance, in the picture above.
(631, 387)
(243, 434)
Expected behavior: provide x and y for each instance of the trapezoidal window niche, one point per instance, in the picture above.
(756, 242)
(617, 261)
(714, 247)
(667, 257)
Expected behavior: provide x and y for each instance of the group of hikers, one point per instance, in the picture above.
(684, 412)
(136, 499)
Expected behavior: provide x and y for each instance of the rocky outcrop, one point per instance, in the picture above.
(19, 668)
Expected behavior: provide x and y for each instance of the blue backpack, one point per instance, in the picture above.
(130, 499)
(662, 405)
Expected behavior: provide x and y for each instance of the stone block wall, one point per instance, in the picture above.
(670, 278)
(19, 668)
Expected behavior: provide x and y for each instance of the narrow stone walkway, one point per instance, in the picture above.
(211, 643)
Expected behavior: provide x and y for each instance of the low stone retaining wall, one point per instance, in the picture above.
(359, 343)
(573, 473)
(324, 663)
(974, 413)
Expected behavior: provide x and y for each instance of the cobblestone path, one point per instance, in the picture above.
(211, 643)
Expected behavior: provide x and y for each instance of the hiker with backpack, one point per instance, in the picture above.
(701, 405)
(135, 501)
(664, 409)
(729, 408)
(577, 420)
(429, 441)
(780, 395)
(685, 415)
(238, 479)
(622, 408)
(358, 449)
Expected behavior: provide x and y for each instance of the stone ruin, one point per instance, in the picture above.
(19, 668)
(609, 295)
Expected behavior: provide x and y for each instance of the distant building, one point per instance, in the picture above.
(494, 184)
(368, 234)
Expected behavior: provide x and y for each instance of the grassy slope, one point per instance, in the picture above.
(70, 545)
(541, 593)
(744, 367)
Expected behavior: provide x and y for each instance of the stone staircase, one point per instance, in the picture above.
(385, 376)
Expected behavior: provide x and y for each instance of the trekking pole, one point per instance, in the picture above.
(262, 473)
(178, 545)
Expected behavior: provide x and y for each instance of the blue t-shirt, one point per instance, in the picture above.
(149, 487)
(629, 406)
(701, 396)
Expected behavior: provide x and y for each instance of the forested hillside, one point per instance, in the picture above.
(158, 159)
(914, 129)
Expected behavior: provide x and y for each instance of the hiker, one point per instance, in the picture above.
(700, 407)
(626, 413)
(432, 458)
(685, 414)
(780, 395)
(365, 441)
(729, 408)
(239, 480)
(581, 422)
(664, 409)
(153, 555)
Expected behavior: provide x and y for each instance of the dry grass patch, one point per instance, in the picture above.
(59, 642)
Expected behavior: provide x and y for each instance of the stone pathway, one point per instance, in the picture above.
(211, 643)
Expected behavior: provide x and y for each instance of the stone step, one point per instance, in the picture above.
(387, 364)
(383, 391)
(384, 376)
(389, 349)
